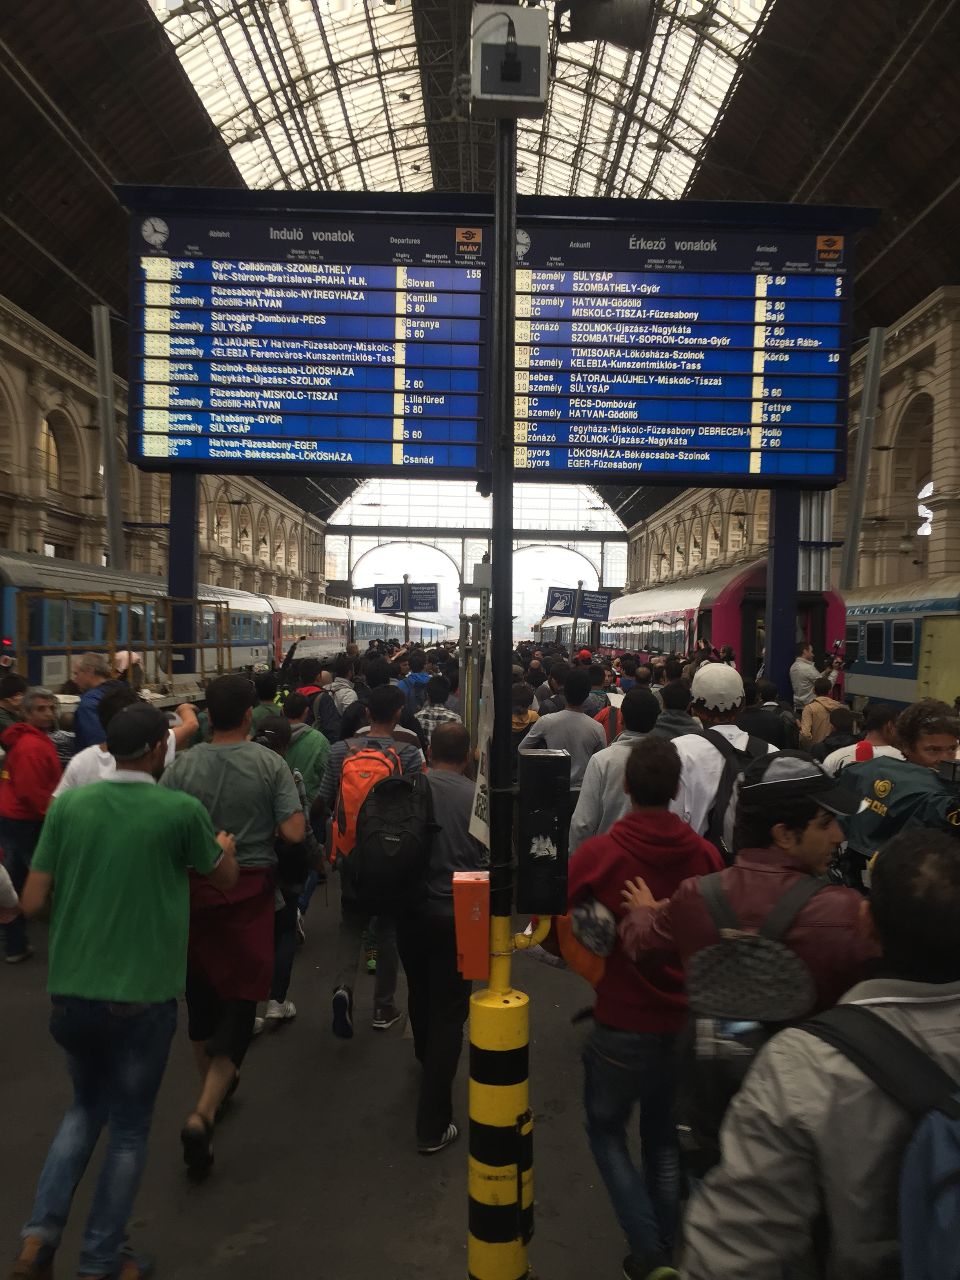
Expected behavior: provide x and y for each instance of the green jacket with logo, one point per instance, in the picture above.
(897, 795)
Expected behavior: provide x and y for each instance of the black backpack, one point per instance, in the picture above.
(391, 857)
(326, 717)
(742, 990)
(735, 761)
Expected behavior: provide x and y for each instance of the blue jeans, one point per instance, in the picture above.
(116, 1055)
(18, 839)
(624, 1069)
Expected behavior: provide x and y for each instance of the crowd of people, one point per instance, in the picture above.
(765, 894)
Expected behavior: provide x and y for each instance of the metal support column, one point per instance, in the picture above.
(113, 500)
(182, 569)
(501, 1124)
(406, 609)
(783, 563)
(577, 606)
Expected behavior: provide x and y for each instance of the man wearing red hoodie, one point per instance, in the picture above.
(31, 770)
(640, 1008)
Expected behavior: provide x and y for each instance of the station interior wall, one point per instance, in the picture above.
(51, 485)
(916, 442)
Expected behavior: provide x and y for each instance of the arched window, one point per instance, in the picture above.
(293, 554)
(713, 537)
(222, 531)
(50, 456)
(737, 523)
(695, 556)
(263, 541)
(245, 531)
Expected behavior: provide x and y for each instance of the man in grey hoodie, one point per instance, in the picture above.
(603, 798)
(675, 719)
(341, 688)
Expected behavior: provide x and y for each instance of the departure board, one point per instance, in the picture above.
(683, 355)
(280, 343)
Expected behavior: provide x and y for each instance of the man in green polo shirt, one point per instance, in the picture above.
(115, 856)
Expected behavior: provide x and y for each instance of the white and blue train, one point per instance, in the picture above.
(52, 610)
(903, 643)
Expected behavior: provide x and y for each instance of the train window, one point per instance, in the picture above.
(136, 623)
(903, 644)
(874, 641)
(83, 625)
(851, 647)
(56, 621)
(209, 626)
(159, 614)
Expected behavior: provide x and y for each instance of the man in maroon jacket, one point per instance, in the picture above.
(31, 770)
(640, 1009)
(786, 827)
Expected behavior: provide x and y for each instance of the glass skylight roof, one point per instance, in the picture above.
(326, 95)
(456, 504)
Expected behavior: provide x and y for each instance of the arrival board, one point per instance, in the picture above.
(278, 343)
(680, 355)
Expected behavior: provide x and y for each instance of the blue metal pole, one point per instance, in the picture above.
(783, 563)
(182, 569)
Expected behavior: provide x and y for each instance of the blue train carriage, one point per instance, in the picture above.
(903, 643)
(54, 610)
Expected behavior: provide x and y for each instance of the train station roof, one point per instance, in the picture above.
(352, 96)
(800, 100)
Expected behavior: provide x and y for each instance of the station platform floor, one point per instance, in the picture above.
(316, 1173)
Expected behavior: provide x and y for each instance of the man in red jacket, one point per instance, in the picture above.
(640, 1009)
(31, 770)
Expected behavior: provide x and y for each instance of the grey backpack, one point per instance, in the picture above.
(742, 990)
(752, 976)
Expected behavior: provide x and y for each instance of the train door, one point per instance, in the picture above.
(936, 676)
(752, 632)
(811, 625)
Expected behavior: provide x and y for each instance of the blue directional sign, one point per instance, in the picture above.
(595, 605)
(423, 597)
(561, 602)
(388, 599)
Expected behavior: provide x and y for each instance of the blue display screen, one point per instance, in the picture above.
(362, 344)
(675, 356)
(281, 344)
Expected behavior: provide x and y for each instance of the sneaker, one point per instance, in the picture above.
(343, 1013)
(301, 929)
(634, 1269)
(277, 1012)
(23, 955)
(385, 1016)
(450, 1134)
(258, 1025)
(134, 1267)
(371, 958)
(35, 1260)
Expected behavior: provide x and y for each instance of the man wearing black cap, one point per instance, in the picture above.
(786, 828)
(117, 853)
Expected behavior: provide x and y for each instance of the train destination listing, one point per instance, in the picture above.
(281, 343)
(722, 355)
(300, 343)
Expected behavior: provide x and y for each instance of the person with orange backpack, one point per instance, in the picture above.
(354, 768)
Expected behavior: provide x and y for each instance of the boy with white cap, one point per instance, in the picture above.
(717, 694)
